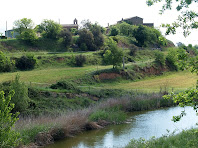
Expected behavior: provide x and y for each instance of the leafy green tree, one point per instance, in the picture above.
(86, 24)
(49, 29)
(141, 35)
(86, 38)
(28, 36)
(126, 29)
(114, 31)
(97, 35)
(25, 29)
(74, 31)
(66, 35)
(187, 19)
(113, 55)
(22, 25)
(147, 36)
(8, 137)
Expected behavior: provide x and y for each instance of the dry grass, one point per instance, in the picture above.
(176, 81)
(45, 129)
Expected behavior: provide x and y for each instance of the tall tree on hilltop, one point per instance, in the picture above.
(49, 29)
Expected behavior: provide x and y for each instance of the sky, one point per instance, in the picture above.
(101, 11)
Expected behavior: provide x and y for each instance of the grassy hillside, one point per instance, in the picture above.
(172, 80)
(50, 75)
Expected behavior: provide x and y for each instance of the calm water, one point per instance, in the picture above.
(143, 124)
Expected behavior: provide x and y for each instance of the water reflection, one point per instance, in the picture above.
(143, 124)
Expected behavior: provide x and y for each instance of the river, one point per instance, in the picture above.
(142, 124)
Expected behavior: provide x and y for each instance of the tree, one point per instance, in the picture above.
(86, 24)
(86, 38)
(66, 35)
(28, 36)
(141, 35)
(114, 31)
(126, 29)
(113, 55)
(25, 29)
(8, 137)
(22, 25)
(187, 18)
(49, 29)
(97, 34)
(187, 21)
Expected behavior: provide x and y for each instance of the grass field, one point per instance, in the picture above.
(50, 75)
(172, 80)
(46, 54)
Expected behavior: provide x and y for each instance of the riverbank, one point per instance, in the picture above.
(44, 130)
(187, 138)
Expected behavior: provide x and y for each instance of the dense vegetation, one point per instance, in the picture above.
(63, 72)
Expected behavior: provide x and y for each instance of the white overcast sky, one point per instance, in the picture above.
(101, 11)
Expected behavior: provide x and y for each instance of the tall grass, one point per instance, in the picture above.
(50, 128)
(186, 139)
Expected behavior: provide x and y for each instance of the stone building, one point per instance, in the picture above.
(69, 26)
(136, 21)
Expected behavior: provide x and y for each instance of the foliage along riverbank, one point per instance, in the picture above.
(187, 138)
(45, 129)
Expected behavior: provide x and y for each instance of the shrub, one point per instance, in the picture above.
(80, 60)
(20, 98)
(114, 31)
(159, 58)
(133, 50)
(64, 85)
(5, 64)
(27, 62)
(171, 59)
(8, 137)
(28, 36)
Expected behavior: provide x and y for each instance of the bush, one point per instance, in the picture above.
(114, 31)
(20, 98)
(159, 58)
(27, 62)
(171, 59)
(5, 64)
(64, 85)
(80, 60)
(28, 36)
(8, 137)
(132, 49)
